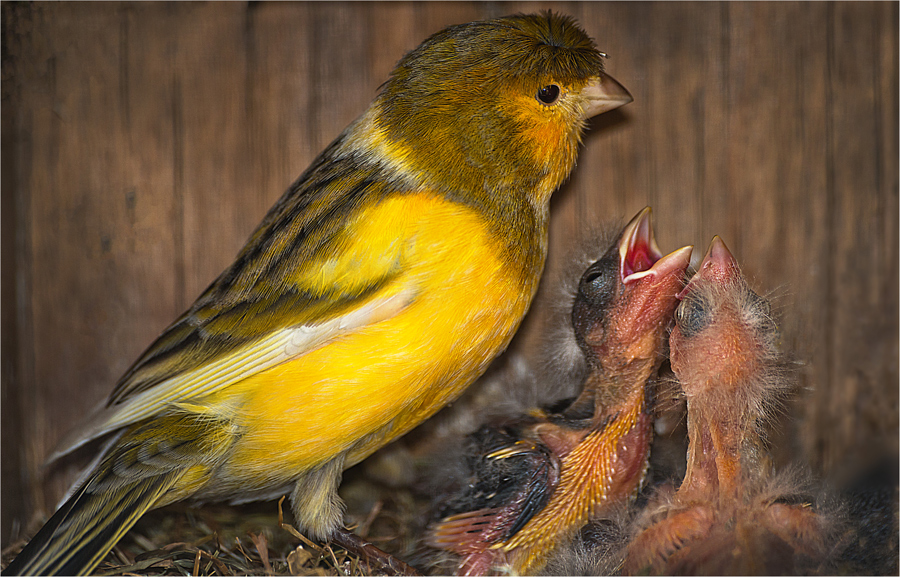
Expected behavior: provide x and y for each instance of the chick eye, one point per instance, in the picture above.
(548, 94)
(758, 305)
(598, 284)
(758, 312)
(692, 316)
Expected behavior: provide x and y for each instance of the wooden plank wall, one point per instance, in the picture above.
(142, 143)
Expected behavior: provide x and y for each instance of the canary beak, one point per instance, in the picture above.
(603, 94)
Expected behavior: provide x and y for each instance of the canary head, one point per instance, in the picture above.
(495, 109)
(625, 302)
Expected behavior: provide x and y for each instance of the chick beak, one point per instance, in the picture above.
(634, 329)
(639, 255)
(638, 251)
(602, 94)
(718, 265)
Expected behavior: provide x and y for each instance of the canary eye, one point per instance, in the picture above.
(548, 94)
(596, 293)
(758, 305)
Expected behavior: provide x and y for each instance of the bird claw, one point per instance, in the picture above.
(377, 560)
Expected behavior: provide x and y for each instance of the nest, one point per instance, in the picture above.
(260, 538)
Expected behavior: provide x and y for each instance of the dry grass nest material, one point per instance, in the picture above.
(257, 538)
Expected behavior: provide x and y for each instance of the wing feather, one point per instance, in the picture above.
(305, 276)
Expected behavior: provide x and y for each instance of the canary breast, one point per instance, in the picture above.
(453, 306)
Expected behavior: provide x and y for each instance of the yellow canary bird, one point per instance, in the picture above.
(380, 285)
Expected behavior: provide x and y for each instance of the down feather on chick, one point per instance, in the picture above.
(730, 515)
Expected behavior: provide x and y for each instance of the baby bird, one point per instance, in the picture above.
(728, 516)
(538, 480)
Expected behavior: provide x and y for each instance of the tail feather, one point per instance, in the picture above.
(87, 527)
(154, 462)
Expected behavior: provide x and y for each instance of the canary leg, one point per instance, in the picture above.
(317, 506)
(319, 509)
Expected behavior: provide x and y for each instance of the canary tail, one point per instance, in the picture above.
(154, 463)
(86, 527)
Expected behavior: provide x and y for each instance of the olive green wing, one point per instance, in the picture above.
(290, 290)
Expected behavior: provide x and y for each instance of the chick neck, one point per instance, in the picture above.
(606, 393)
(723, 410)
(719, 438)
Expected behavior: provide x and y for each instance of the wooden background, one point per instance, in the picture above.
(142, 143)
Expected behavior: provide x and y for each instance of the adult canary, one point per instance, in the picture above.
(379, 286)
(539, 479)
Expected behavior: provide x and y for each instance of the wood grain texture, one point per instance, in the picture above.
(143, 142)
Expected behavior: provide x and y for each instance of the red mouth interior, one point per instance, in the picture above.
(640, 257)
